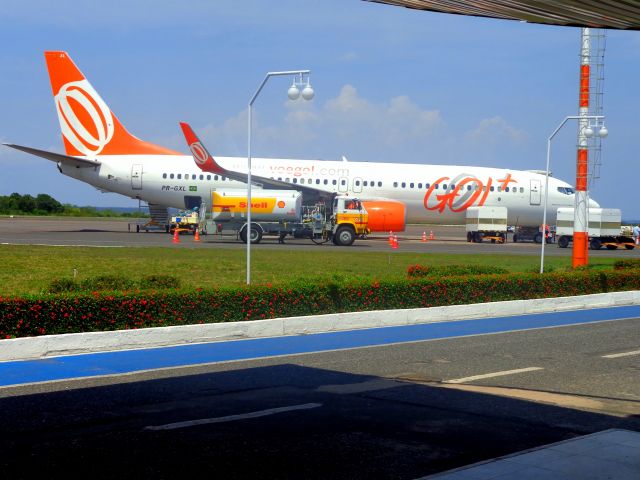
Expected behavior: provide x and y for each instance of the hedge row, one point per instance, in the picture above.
(81, 312)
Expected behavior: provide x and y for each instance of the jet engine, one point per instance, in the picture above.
(386, 215)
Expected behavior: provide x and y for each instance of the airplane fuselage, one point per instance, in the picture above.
(437, 194)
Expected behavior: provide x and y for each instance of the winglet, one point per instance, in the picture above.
(201, 156)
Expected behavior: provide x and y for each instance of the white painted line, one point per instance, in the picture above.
(233, 418)
(618, 355)
(494, 374)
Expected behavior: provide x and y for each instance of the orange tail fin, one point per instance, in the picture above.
(88, 126)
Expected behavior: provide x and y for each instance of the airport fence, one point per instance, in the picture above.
(44, 314)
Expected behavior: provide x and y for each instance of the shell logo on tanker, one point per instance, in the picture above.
(462, 192)
(258, 205)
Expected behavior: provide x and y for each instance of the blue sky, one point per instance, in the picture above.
(392, 85)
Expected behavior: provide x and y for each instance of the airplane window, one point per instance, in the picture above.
(334, 182)
(186, 176)
(395, 184)
(343, 182)
(222, 178)
(436, 186)
(521, 189)
(468, 187)
(444, 186)
(506, 189)
(499, 189)
(295, 180)
(427, 185)
(404, 185)
(301, 180)
(193, 177)
(317, 181)
(566, 190)
(215, 177)
(164, 175)
(411, 185)
(179, 176)
(326, 182)
(379, 184)
(419, 186)
(171, 175)
(453, 186)
(208, 177)
(492, 189)
(201, 177)
(286, 180)
(357, 183)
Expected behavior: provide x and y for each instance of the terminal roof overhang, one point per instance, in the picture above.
(614, 14)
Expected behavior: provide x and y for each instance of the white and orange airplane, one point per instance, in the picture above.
(101, 152)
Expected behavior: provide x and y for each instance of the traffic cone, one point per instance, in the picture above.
(424, 236)
(196, 236)
(395, 242)
(431, 235)
(176, 236)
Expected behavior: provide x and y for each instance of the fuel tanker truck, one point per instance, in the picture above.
(282, 213)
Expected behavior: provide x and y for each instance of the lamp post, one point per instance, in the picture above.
(300, 79)
(588, 132)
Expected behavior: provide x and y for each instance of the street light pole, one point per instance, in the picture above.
(293, 93)
(602, 131)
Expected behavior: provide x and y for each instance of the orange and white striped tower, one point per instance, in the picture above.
(581, 221)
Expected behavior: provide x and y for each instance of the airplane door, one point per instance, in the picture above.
(357, 185)
(343, 184)
(136, 177)
(535, 192)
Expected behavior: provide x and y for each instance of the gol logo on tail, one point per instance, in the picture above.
(85, 119)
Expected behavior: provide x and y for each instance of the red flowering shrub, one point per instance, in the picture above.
(84, 312)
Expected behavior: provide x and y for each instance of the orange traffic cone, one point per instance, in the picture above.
(395, 242)
(176, 237)
(431, 235)
(196, 236)
(424, 236)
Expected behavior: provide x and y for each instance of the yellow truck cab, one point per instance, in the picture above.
(350, 219)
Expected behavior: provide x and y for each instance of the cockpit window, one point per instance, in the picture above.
(566, 190)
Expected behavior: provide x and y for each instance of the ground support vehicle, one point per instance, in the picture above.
(188, 221)
(487, 223)
(281, 213)
(605, 229)
(533, 234)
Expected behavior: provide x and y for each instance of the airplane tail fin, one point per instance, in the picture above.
(201, 156)
(88, 125)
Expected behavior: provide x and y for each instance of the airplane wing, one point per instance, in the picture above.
(56, 157)
(207, 163)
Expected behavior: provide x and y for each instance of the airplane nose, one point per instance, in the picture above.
(593, 204)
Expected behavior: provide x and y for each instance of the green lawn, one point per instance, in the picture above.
(30, 269)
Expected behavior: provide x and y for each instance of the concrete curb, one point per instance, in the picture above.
(77, 343)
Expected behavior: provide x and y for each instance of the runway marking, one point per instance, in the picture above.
(625, 354)
(494, 374)
(233, 418)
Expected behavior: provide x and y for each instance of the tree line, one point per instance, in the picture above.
(43, 204)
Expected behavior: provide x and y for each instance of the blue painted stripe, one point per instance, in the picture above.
(119, 362)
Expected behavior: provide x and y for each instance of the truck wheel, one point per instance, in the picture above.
(537, 237)
(469, 237)
(477, 237)
(345, 236)
(595, 244)
(515, 238)
(256, 233)
(563, 241)
(612, 247)
(628, 246)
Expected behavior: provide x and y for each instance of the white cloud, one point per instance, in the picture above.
(496, 130)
